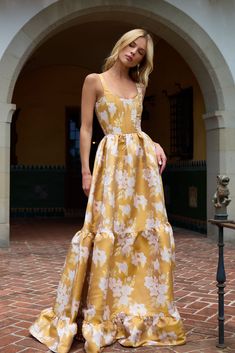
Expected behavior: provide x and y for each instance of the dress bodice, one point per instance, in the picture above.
(119, 115)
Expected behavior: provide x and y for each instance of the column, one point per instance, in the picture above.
(6, 111)
(220, 140)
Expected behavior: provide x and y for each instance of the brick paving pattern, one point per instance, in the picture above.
(30, 270)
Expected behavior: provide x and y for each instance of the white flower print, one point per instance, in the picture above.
(99, 207)
(129, 190)
(108, 178)
(135, 335)
(127, 101)
(96, 335)
(112, 108)
(133, 114)
(140, 200)
(152, 239)
(152, 177)
(111, 198)
(158, 206)
(139, 151)
(36, 330)
(89, 312)
(151, 283)
(88, 217)
(101, 101)
(115, 285)
(129, 139)
(122, 267)
(165, 336)
(156, 265)
(150, 222)
(153, 160)
(75, 307)
(112, 145)
(125, 209)
(158, 317)
(117, 130)
(173, 311)
(138, 258)
(120, 290)
(114, 149)
(104, 116)
(65, 328)
(108, 337)
(125, 182)
(71, 275)
(103, 284)
(62, 297)
(166, 254)
(81, 253)
(119, 227)
(125, 242)
(156, 289)
(138, 309)
(99, 256)
(99, 156)
(128, 159)
(161, 299)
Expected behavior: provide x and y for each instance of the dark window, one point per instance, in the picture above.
(181, 124)
(73, 136)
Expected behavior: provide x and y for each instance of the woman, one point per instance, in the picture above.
(118, 275)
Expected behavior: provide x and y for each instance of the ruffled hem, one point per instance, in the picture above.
(128, 330)
(76, 311)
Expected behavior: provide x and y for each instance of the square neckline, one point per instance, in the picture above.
(105, 86)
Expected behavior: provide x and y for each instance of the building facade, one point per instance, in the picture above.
(48, 47)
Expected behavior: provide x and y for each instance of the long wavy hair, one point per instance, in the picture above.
(138, 73)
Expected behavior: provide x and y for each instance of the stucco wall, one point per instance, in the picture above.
(214, 16)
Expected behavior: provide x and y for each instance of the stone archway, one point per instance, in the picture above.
(163, 19)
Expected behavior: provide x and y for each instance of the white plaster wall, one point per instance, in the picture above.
(14, 14)
(217, 18)
(212, 17)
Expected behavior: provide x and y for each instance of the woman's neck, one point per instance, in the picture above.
(118, 70)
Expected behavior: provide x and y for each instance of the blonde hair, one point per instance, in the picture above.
(141, 73)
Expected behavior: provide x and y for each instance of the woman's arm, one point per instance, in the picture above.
(161, 157)
(87, 111)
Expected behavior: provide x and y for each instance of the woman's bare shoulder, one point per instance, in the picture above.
(92, 78)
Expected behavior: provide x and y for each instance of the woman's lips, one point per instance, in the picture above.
(129, 58)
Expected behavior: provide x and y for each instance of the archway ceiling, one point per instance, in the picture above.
(203, 62)
(85, 45)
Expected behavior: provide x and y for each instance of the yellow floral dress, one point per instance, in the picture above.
(117, 280)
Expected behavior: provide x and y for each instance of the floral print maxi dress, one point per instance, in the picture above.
(122, 260)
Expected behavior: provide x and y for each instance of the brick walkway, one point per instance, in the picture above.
(30, 271)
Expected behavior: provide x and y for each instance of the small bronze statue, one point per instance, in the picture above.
(221, 196)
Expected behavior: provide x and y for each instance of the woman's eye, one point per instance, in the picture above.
(132, 45)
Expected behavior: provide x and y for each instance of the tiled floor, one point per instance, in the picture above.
(30, 271)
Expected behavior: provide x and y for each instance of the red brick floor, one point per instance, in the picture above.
(30, 271)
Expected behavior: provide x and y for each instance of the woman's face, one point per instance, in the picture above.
(132, 54)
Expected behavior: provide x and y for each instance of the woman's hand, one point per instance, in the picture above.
(161, 157)
(86, 183)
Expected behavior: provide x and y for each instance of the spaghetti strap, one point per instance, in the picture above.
(140, 92)
(105, 88)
